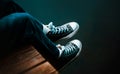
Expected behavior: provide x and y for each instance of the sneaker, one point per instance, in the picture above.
(70, 51)
(62, 32)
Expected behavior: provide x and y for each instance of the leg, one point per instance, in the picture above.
(20, 28)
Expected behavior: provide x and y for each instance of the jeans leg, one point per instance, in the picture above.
(21, 28)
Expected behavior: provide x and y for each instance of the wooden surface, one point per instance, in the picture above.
(26, 61)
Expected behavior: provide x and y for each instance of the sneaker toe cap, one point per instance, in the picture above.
(77, 43)
(74, 25)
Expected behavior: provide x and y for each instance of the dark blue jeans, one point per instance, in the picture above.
(19, 29)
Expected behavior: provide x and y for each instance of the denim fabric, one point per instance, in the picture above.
(19, 29)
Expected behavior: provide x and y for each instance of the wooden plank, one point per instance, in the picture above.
(27, 60)
(45, 68)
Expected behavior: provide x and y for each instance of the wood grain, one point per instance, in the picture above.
(26, 61)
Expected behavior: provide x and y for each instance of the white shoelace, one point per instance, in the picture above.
(69, 49)
(57, 30)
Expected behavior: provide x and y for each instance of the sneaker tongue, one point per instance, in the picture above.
(50, 25)
(45, 29)
(61, 49)
(59, 46)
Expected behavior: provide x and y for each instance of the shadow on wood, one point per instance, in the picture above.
(26, 61)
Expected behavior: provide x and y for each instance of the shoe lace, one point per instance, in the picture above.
(59, 29)
(70, 49)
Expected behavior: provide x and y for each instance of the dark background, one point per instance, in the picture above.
(99, 30)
